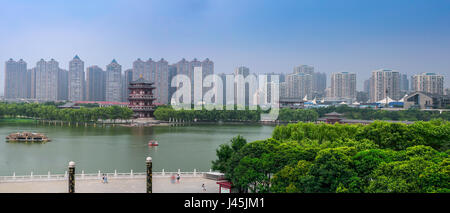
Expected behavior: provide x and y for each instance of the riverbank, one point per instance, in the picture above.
(17, 120)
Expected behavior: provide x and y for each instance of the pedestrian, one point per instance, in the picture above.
(106, 179)
(203, 187)
(172, 179)
(178, 178)
(103, 178)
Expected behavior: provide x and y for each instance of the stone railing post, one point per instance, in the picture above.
(71, 177)
(149, 174)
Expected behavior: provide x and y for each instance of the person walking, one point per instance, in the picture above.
(106, 179)
(203, 187)
(172, 179)
(103, 178)
(178, 178)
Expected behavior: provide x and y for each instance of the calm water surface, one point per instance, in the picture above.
(120, 148)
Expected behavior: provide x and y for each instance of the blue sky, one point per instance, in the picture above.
(267, 36)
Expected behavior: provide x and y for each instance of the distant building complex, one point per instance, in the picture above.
(301, 88)
(428, 82)
(385, 83)
(343, 85)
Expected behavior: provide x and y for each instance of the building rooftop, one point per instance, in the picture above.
(141, 81)
(333, 114)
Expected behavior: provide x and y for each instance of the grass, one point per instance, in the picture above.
(17, 120)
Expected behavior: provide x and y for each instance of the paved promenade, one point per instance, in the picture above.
(135, 185)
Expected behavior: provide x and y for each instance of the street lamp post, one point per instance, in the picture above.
(149, 174)
(71, 177)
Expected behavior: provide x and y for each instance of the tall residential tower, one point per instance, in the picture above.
(385, 83)
(343, 85)
(114, 82)
(428, 82)
(76, 79)
(15, 78)
(95, 84)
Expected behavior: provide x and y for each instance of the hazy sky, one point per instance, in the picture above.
(266, 36)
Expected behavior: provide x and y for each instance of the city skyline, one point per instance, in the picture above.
(265, 36)
(78, 85)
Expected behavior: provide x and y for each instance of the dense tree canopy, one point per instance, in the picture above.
(294, 115)
(166, 113)
(51, 112)
(306, 157)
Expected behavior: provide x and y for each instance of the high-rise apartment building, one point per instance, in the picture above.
(126, 79)
(299, 85)
(161, 79)
(76, 79)
(283, 90)
(306, 69)
(172, 74)
(404, 83)
(46, 78)
(367, 85)
(15, 77)
(156, 72)
(319, 80)
(385, 83)
(114, 82)
(207, 69)
(244, 71)
(95, 84)
(63, 84)
(428, 82)
(30, 83)
(222, 77)
(343, 85)
(269, 87)
(184, 67)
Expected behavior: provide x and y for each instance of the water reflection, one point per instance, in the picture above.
(109, 148)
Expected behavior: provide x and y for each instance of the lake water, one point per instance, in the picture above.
(119, 148)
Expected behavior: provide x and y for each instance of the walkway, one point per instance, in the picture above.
(135, 185)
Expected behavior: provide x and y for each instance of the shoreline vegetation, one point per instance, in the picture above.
(381, 157)
(50, 113)
(286, 115)
(166, 115)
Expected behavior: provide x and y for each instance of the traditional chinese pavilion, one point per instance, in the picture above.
(333, 117)
(141, 98)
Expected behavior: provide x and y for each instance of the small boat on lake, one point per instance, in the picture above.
(27, 137)
(152, 143)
